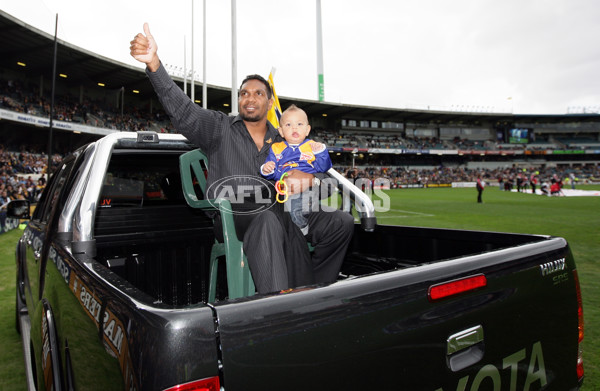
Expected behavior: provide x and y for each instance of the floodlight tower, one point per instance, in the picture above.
(234, 102)
(193, 82)
(321, 81)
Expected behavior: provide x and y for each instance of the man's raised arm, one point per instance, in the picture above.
(200, 126)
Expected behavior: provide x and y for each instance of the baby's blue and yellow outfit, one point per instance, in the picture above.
(296, 157)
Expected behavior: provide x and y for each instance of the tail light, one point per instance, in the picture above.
(580, 327)
(209, 384)
(455, 287)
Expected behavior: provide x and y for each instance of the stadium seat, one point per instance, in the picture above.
(239, 280)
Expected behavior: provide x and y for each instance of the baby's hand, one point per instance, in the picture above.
(268, 167)
(317, 147)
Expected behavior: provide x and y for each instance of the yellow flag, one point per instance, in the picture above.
(275, 113)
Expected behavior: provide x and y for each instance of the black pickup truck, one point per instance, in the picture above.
(118, 288)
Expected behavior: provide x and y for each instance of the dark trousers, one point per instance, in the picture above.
(278, 254)
(330, 233)
(479, 192)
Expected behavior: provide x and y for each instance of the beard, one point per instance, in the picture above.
(252, 117)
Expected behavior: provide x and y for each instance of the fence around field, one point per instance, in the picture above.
(7, 224)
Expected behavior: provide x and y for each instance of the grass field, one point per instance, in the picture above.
(577, 219)
(12, 367)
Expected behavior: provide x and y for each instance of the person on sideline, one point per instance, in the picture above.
(480, 186)
(236, 147)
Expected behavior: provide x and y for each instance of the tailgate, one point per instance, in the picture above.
(383, 332)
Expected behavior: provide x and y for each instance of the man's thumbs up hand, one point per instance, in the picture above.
(143, 48)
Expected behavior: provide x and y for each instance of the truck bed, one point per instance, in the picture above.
(164, 250)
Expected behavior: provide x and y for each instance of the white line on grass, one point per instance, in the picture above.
(407, 212)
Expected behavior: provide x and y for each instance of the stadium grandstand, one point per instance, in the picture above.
(96, 96)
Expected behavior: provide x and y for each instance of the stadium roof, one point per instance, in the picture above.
(35, 48)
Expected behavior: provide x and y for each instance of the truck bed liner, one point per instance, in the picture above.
(149, 248)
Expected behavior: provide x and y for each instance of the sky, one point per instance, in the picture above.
(519, 56)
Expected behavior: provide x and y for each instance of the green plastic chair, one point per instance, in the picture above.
(239, 279)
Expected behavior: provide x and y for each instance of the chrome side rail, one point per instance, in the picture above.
(362, 202)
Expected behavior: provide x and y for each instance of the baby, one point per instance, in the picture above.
(296, 153)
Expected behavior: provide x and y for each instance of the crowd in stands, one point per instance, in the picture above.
(506, 178)
(16, 97)
(22, 175)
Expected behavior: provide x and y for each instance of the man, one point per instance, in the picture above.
(236, 147)
(480, 186)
